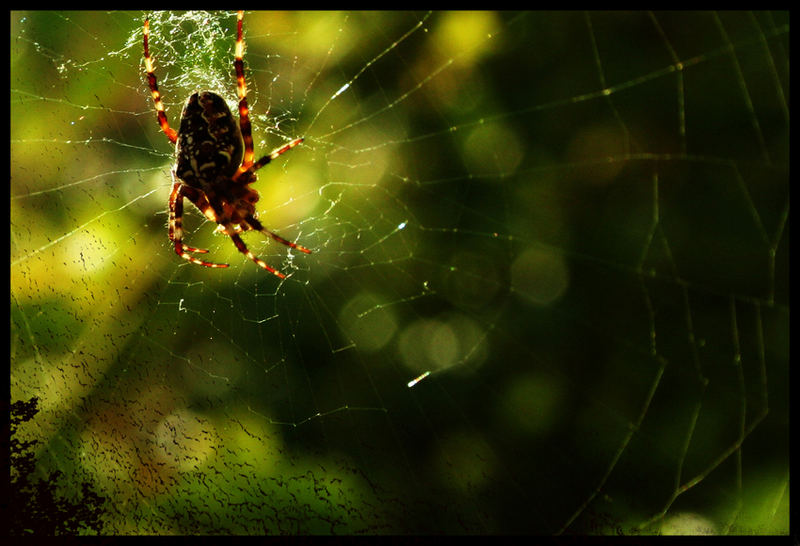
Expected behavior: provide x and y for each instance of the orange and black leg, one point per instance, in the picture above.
(179, 191)
(244, 250)
(171, 133)
(256, 225)
(248, 163)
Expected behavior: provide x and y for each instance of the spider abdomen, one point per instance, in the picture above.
(209, 142)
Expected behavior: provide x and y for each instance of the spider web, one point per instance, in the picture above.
(548, 290)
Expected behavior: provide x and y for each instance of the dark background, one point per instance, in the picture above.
(577, 222)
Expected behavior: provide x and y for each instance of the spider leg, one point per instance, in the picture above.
(256, 225)
(241, 89)
(244, 250)
(179, 191)
(171, 133)
(176, 218)
(269, 157)
(244, 112)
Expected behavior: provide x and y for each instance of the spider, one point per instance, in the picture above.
(214, 162)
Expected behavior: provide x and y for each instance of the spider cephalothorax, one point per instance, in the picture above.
(214, 162)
